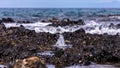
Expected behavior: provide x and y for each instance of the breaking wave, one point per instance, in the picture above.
(91, 27)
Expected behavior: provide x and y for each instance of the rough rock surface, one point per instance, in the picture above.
(20, 43)
(93, 47)
(64, 22)
(31, 62)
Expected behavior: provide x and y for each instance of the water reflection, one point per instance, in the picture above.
(78, 66)
(90, 66)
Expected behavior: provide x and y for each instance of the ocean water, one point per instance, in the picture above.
(96, 20)
(72, 13)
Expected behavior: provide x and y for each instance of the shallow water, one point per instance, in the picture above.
(2, 66)
(46, 53)
(77, 66)
(72, 13)
(90, 66)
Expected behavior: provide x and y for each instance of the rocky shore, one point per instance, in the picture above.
(20, 46)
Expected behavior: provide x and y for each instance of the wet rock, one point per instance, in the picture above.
(93, 47)
(6, 20)
(78, 22)
(32, 62)
(59, 53)
(118, 26)
(19, 43)
(54, 20)
(2, 29)
(24, 21)
(2, 26)
(66, 22)
(80, 31)
(43, 20)
(0, 21)
(111, 25)
(114, 26)
(14, 51)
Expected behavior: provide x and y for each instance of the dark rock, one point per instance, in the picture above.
(4, 20)
(59, 52)
(93, 47)
(10, 20)
(65, 22)
(111, 25)
(118, 26)
(20, 43)
(114, 26)
(7, 20)
(54, 20)
(0, 21)
(2, 26)
(43, 20)
(24, 21)
(81, 22)
(80, 31)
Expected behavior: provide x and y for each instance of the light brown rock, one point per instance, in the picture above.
(32, 62)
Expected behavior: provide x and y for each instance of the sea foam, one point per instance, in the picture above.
(91, 27)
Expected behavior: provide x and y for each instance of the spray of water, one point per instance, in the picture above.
(91, 27)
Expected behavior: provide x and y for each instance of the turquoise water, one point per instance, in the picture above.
(72, 13)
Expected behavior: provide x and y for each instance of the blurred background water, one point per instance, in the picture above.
(72, 13)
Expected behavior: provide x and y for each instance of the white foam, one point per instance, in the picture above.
(90, 66)
(61, 43)
(99, 28)
(46, 53)
(3, 66)
(50, 66)
(117, 17)
(58, 29)
(92, 27)
(92, 24)
(104, 30)
(37, 24)
(76, 66)
(8, 25)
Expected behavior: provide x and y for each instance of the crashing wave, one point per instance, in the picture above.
(91, 27)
